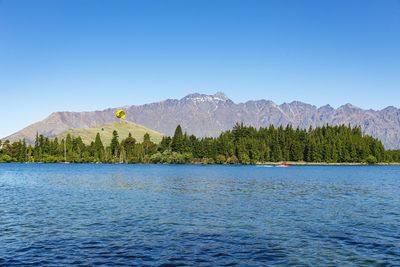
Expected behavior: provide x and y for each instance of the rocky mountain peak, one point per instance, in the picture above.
(221, 95)
(201, 98)
(326, 108)
(348, 106)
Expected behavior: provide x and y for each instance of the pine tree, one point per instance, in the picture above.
(114, 144)
(98, 148)
(165, 143)
(129, 144)
(148, 146)
(177, 140)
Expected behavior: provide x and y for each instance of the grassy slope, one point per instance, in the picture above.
(124, 128)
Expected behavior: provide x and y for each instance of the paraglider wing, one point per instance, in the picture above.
(120, 114)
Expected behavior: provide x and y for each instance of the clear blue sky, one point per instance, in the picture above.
(86, 55)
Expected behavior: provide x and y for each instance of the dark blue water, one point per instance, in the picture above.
(199, 215)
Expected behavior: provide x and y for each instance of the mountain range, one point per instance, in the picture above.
(208, 115)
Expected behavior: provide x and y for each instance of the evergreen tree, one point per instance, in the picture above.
(177, 140)
(114, 144)
(98, 148)
(129, 144)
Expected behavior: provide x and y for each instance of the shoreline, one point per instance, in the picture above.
(303, 163)
(272, 164)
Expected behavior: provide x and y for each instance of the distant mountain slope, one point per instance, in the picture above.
(124, 128)
(208, 115)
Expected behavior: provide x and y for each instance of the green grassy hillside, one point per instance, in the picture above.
(124, 128)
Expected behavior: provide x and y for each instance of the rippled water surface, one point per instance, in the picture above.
(199, 215)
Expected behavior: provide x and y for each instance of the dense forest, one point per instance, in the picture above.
(242, 144)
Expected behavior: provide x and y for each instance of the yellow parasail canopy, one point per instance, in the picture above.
(120, 114)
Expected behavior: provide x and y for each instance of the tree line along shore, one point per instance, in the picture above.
(241, 145)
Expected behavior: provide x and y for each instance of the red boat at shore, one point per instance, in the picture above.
(284, 165)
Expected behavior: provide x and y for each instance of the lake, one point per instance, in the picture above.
(177, 215)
